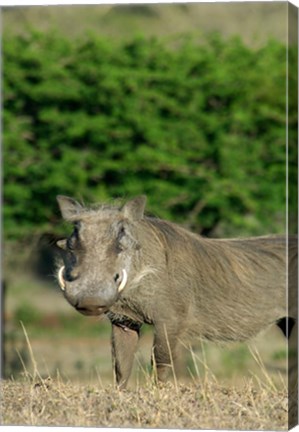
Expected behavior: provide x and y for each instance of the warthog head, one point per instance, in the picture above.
(100, 255)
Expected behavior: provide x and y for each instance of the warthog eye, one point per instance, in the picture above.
(70, 243)
(73, 239)
(124, 239)
(121, 232)
(121, 240)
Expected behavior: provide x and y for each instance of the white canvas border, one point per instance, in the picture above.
(8, 3)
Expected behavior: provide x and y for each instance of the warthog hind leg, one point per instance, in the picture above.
(286, 325)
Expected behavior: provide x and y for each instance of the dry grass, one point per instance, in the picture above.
(201, 405)
(256, 404)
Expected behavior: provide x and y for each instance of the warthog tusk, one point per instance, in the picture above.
(123, 281)
(60, 278)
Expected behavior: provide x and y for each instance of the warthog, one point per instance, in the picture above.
(139, 269)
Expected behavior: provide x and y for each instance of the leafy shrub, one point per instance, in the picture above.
(198, 127)
(27, 314)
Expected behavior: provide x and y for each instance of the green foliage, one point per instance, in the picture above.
(27, 314)
(199, 128)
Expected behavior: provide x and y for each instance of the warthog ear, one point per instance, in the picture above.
(69, 207)
(134, 209)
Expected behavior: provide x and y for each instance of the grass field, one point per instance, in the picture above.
(254, 22)
(204, 404)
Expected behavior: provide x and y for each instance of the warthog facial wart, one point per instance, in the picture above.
(143, 270)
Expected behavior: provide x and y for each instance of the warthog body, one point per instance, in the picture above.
(139, 269)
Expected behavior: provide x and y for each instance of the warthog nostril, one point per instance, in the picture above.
(70, 276)
(116, 277)
(64, 276)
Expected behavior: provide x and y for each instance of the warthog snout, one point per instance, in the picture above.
(99, 302)
(90, 306)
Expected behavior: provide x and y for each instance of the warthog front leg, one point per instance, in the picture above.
(124, 345)
(165, 353)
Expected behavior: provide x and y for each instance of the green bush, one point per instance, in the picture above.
(198, 127)
(27, 314)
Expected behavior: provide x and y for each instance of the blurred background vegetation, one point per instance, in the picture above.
(185, 103)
